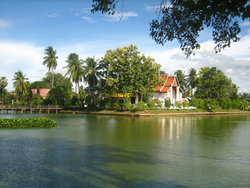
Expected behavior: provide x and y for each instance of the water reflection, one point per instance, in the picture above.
(108, 151)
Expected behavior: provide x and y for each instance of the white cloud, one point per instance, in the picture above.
(247, 23)
(120, 16)
(4, 23)
(52, 15)
(21, 56)
(88, 19)
(157, 7)
(234, 61)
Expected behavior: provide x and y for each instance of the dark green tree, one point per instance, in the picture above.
(126, 70)
(3, 84)
(191, 80)
(38, 85)
(59, 80)
(75, 70)
(20, 83)
(182, 81)
(183, 20)
(91, 73)
(214, 84)
(50, 61)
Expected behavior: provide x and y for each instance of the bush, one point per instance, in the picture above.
(127, 105)
(210, 104)
(226, 104)
(185, 104)
(141, 106)
(167, 103)
(159, 104)
(178, 104)
(36, 100)
(199, 103)
(151, 104)
(27, 123)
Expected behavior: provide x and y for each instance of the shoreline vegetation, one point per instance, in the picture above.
(27, 123)
(160, 112)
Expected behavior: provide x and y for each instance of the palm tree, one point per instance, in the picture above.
(192, 76)
(92, 73)
(75, 69)
(20, 82)
(3, 84)
(50, 60)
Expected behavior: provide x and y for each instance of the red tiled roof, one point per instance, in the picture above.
(165, 89)
(170, 80)
(157, 88)
(164, 77)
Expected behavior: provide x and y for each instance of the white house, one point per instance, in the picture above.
(169, 89)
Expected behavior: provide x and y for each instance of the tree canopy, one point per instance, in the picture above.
(184, 20)
(214, 84)
(126, 70)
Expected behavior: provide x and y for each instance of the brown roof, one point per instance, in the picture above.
(168, 82)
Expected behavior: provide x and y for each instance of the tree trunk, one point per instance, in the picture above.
(53, 79)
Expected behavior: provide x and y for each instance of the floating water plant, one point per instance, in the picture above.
(27, 123)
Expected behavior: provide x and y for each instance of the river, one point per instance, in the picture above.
(113, 151)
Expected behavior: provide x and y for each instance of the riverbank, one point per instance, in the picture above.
(158, 112)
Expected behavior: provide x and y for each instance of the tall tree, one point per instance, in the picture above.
(3, 84)
(59, 80)
(182, 80)
(191, 80)
(184, 20)
(20, 82)
(50, 61)
(126, 70)
(214, 84)
(92, 73)
(75, 70)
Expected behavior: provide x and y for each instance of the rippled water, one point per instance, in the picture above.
(108, 151)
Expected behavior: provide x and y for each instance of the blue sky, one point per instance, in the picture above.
(27, 27)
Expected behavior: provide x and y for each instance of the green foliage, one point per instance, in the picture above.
(59, 96)
(117, 105)
(27, 123)
(184, 20)
(199, 103)
(151, 104)
(214, 84)
(178, 104)
(36, 99)
(50, 61)
(210, 104)
(75, 69)
(159, 104)
(185, 104)
(141, 106)
(59, 80)
(38, 85)
(168, 103)
(126, 70)
(127, 104)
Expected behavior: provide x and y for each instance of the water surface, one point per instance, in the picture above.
(111, 151)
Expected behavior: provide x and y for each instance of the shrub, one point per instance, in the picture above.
(199, 103)
(36, 100)
(185, 104)
(151, 104)
(127, 105)
(210, 104)
(167, 103)
(178, 104)
(141, 106)
(159, 104)
(27, 123)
